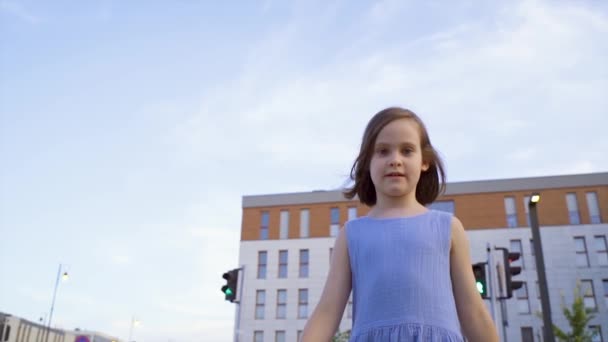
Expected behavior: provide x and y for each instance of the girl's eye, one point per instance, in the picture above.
(382, 151)
(407, 151)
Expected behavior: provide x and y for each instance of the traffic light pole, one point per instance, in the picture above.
(490, 283)
(237, 328)
(542, 278)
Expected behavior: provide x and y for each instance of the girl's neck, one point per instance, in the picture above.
(396, 207)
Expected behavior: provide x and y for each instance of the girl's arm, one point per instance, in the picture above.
(325, 320)
(475, 320)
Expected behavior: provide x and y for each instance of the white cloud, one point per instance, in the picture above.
(481, 89)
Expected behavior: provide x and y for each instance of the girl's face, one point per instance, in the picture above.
(397, 162)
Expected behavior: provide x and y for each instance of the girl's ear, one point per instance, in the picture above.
(425, 166)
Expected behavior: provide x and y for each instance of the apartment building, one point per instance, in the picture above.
(287, 239)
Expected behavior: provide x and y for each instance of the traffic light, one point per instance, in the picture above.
(479, 270)
(232, 280)
(508, 259)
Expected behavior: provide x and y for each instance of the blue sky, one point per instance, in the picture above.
(130, 130)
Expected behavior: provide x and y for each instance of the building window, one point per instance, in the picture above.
(352, 213)
(511, 212)
(331, 254)
(262, 259)
(532, 261)
(588, 295)
(302, 303)
(279, 336)
(596, 333)
(527, 334)
(303, 263)
(299, 335)
(264, 225)
(284, 224)
(573, 208)
(527, 210)
(283, 255)
(447, 206)
(601, 249)
(515, 246)
(258, 336)
(594, 208)
(260, 302)
(304, 223)
(281, 304)
(582, 259)
(605, 282)
(349, 309)
(523, 302)
(334, 226)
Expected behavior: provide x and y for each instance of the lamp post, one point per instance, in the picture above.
(64, 277)
(134, 322)
(540, 269)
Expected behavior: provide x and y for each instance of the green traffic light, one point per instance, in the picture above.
(228, 292)
(480, 287)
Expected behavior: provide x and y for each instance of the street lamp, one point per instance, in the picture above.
(64, 277)
(134, 322)
(540, 268)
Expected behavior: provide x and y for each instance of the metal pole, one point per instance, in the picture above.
(540, 270)
(131, 328)
(501, 298)
(237, 331)
(48, 328)
(490, 284)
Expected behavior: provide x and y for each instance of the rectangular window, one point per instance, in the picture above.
(527, 210)
(283, 255)
(527, 335)
(258, 336)
(349, 309)
(605, 283)
(515, 246)
(281, 304)
(523, 302)
(594, 208)
(352, 213)
(303, 263)
(303, 303)
(304, 223)
(331, 254)
(447, 206)
(573, 208)
(279, 336)
(596, 332)
(532, 261)
(334, 226)
(511, 212)
(299, 335)
(260, 302)
(264, 225)
(582, 259)
(601, 250)
(262, 259)
(284, 224)
(588, 295)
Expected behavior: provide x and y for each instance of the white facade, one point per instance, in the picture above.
(560, 252)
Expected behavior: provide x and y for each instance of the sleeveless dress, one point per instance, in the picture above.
(402, 290)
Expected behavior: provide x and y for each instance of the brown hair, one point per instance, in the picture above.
(432, 181)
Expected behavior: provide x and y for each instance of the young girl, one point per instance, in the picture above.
(408, 267)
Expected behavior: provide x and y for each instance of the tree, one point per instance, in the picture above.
(578, 317)
(341, 336)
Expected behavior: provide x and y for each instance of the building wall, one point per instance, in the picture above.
(480, 205)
